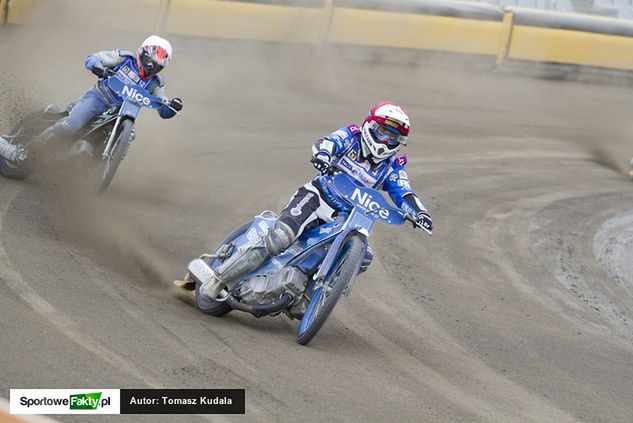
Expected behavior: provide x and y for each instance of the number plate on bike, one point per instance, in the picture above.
(201, 271)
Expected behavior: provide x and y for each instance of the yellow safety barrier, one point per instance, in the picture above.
(514, 33)
(246, 21)
(414, 31)
(506, 37)
(571, 47)
(330, 24)
(122, 15)
(19, 10)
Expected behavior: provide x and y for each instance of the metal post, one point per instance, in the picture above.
(328, 13)
(5, 11)
(161, 16)
(506, 36)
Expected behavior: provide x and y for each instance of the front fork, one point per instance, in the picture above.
(108, 147)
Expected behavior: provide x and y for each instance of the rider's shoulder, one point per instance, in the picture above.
(353, 129)
(399, 161)
(345, 133)
(126, 53)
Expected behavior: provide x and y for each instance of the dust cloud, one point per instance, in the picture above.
(183, 176)
(506, 295)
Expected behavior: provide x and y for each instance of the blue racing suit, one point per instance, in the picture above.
(344, 146)
(314, 203)
(100, 98)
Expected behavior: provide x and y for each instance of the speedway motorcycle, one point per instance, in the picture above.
(306, 281)
(106, 138)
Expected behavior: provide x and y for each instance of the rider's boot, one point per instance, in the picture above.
(12, 152)
(250, 257)
(45, 137)
(50, 136)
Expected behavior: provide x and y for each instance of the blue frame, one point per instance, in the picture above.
(134, 97)
(323, 243)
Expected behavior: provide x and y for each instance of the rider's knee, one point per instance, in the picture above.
(279, 238)
(77, 118)
(65, 127)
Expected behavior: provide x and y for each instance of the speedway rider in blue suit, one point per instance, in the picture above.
(141, 67)
(367, 154)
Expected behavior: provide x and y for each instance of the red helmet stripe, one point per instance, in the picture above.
(161, 54)
(139, 65)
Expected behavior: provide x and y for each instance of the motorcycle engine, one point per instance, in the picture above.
(265, 289)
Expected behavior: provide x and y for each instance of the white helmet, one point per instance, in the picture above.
(384, 131)
(153, 55)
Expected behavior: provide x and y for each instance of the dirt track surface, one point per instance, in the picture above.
(505, 314)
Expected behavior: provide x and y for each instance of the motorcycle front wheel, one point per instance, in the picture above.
(345, 267)
(109, 165)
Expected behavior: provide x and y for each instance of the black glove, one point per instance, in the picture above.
(176, 104)
(99, 70)
(424, 219)
(321, 161)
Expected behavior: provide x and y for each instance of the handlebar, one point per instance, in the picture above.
(417, 224)
(109, 72)
(166, 103)
(407, 216)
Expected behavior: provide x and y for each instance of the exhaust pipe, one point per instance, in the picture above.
(12, 152)
(259, 310)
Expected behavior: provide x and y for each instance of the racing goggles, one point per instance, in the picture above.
(387, 135)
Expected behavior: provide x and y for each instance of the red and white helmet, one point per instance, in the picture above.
(153, 56)
(384, 131)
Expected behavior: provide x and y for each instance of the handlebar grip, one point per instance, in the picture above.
(417, 224)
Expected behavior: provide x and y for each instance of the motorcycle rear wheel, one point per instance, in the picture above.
(207, 305)
(24, 132)
(13, 170)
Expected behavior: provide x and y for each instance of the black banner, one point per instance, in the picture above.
(183, 401)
